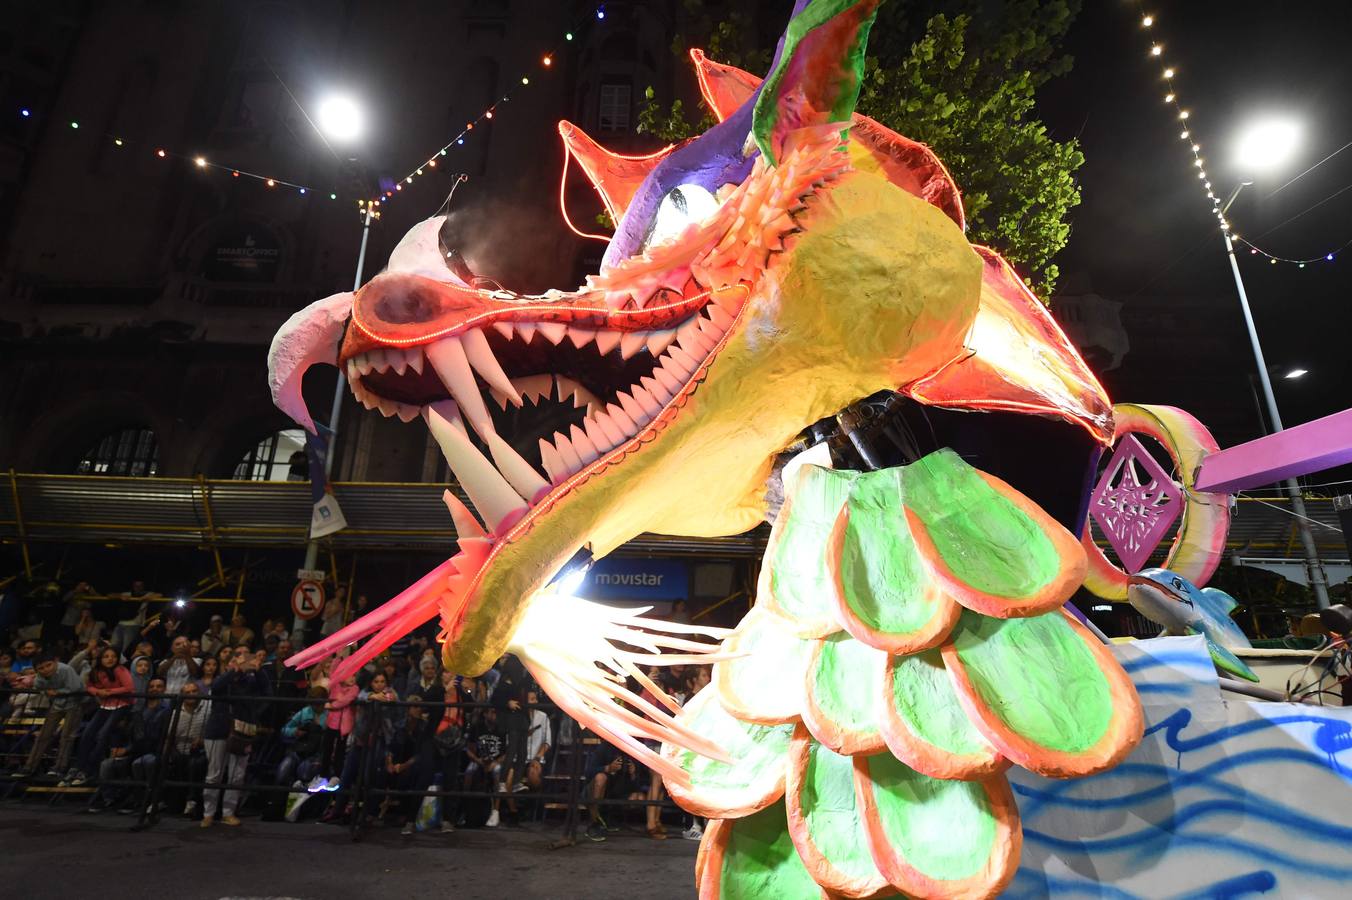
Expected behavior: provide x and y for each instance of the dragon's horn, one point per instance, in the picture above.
(615, 177)
(724, 87)
(816, 76)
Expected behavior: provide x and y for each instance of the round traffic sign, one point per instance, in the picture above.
(307, 600)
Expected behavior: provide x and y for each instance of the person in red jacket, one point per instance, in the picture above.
(109, 684)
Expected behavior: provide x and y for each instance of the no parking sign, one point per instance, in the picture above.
(307, 600)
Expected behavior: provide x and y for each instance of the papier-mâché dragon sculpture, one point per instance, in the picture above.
(907, 644)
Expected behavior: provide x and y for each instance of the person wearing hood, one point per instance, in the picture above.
(140, 678)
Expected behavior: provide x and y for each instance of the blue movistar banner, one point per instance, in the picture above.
(637, 580)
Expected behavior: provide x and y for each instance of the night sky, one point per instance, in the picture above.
(1145, 230)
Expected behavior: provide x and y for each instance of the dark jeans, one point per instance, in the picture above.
(97, 734)
(192, 767)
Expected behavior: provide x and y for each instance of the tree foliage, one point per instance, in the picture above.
(963, 81)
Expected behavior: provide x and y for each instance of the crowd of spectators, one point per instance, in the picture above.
(115, 694)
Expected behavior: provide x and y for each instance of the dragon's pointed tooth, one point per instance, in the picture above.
(581, 337)
(406, 412)
(553, 463)
(621, 416)
(613, 429)
(669, 382)
(466, 526)
(633, 409)
(660, 340)
(504, 328)
(607, 340)
(452, 367)
(525, 331)
(657, 389)
(631, 342)
(554, 332)
(415, 359)
(600, 437)
(645, 398)
(680, 364)
(493, 497)
(519, 474)
(482, 359)
(571, 461)
(582, 445)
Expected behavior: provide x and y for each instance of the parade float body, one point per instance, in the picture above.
(909, 707)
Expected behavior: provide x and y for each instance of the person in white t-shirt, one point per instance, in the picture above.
(539, 738)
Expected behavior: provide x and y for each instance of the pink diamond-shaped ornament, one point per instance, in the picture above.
(1134, 503)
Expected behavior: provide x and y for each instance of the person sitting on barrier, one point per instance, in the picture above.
(230, 731)
(371, 731)
(410, 762)
(188, 761)
(109, 684)
(65, 691)
(180, 667)
(612, 776)
(485, 746)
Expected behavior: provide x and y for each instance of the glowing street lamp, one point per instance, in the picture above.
(1264, 147)
(341, 118)
(1296, 373)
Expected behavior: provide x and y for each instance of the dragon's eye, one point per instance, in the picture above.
(1178, 584)
(681, 206)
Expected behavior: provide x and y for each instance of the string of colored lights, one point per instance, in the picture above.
(273, 181)
(1169, 74)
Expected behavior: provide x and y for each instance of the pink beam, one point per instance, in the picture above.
(1312, 447)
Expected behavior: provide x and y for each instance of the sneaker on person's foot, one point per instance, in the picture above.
(206, 821)
(333, 785)
(53, 773)
(229, 820)
(693, 833)
(595, 832)
(519, 787)
(407, 829)
(317, 784)
(190, 809)
(21, 773)
(126, 810)
(447, 827)
(492, 820)
(79, 779)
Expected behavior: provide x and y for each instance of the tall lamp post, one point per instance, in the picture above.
(1267, 145)
(340, 119)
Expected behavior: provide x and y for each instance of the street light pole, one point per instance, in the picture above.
(1313, 567)
(340, 387)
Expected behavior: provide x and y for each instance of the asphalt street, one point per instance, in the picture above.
(62, 852)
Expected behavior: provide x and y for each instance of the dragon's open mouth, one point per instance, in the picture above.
(547, 388)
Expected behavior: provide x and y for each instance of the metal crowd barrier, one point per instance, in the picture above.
(363, 793)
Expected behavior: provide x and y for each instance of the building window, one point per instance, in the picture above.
(278, 457)
(128, 451)
(614, 108)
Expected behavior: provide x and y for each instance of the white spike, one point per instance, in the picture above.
(351, 367)
(466, 526)
(600, 439)
(363, 361)
(681, 364)
(631, 342)
(533, 387)
(415, 359)
(607, 340)
(660, 340)
(553, 331)
(504, 329)
(387, 407)
(406, 413)
(610, 429)
(571, 461)
(525, 331)
(493, 497)
(553, 463)
(622, 418)
(652, 396)
(668, 381)
(581, 337)
(634, 410)
(448, 358)
(519, 473)
(582, 445)
(481, 357)
(398, 359)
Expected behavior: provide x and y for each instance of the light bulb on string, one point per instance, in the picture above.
(1196, 148)
(1168, 73)
(1156, 50)
(74, 124)
(272, 183)
(1183, 114)
(1183, 135)
(333, 196)
(302, 190)
(160, 154)
(117, 142)
(525, 80)
(1168, 98)
(489, 114)
(25, 112)
(601, 11)
(201, 162)
(1147, 21)
(1329, 257)
(547, 61)
(568, 36)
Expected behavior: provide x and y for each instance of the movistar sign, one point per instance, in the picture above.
(637, 580)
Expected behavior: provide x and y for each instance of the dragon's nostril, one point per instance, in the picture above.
(405, 304)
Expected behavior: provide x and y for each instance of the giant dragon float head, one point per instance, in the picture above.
(762, 277)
